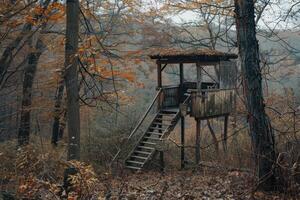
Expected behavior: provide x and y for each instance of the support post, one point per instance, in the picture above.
(225, 133)
(182, 143)
(181, 77)
(182, 159)
(197, 146)
(162, 162)
(159, 85)
(159, 80)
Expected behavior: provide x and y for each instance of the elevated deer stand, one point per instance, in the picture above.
(201, 100)
(208, 99)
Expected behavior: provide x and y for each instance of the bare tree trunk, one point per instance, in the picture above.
(58, 111)
(62, 125)
(7, 55)
(9, 51)
(71, 79)
(213, 134)
(29, 74)
(260, 127)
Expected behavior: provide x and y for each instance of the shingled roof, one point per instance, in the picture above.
(190, 55)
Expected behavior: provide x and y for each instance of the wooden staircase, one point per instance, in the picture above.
(163, 123)
(154, 126)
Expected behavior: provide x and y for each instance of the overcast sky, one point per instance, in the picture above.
(273, 14)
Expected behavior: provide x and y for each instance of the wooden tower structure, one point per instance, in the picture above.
(172, 103)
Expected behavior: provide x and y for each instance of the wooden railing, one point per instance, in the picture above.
(160, 145)
(210, 103)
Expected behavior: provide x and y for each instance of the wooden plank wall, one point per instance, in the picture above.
(212, 103)
(170, 96)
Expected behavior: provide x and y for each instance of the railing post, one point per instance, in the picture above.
(225, 133)
(159, 80)
(182, 143)
(159, 84)
(197, 151)
(162, 162)
(181, 89)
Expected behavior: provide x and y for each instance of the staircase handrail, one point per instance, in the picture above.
(139, 123)
(146, 113)
(186, 101)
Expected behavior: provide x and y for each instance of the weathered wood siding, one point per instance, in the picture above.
(212, 103)
(170, 96)
(228, 74)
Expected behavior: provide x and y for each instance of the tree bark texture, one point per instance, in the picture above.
(10, 50)
(58, 111)
(29, 74)
(71, 79)
(260, 127)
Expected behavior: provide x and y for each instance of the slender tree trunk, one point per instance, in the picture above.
(71, 79)
(213, 134)
(7, 55)
(58, 111)
(62, 125)
(29, 74)
(260, 128)
(24, 35)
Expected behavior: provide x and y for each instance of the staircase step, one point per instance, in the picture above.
(143, 147)
(165, 119)
(162, 124)
(139, 157)
(169, 111)
(132, 167)
(142, 152)
(135, 162)
(152, 138)
(155, 133)
(167, 114)
(156, 128)
(151, 143)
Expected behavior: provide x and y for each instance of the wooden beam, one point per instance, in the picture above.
(159, 80)
(162, 162)
(209, 117)
(197, 146)
(191, 59)
(206, 63)
(162, 69)
(181, 79)
(181, 73)
(182, 143)
(225, 133)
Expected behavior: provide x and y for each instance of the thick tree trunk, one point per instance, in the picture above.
(260, 128)
(29, 74)
(71, 79)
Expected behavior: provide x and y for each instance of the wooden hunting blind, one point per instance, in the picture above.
(200, 99)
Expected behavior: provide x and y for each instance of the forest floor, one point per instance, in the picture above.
(186, 185)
